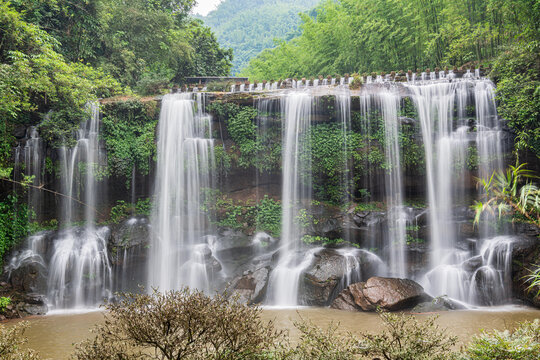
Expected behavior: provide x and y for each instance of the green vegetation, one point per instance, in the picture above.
(129, 131)
(517, 74)
(351, 36)
(523, 343)
(510, 192)
(4, 303)
(260, 149)
(122, 210)
(245, 216)
(250, 26)
(13, 224)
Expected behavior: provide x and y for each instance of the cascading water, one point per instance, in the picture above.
(296, 195)
(33, 164)
(397, 219)
(447, 138)
(80, 273)
(179, 254)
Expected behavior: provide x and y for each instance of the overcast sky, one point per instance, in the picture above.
(205, 6)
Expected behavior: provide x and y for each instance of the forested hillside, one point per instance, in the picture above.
(364, 36)
(250, 26)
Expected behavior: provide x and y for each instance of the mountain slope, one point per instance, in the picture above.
(250, 26)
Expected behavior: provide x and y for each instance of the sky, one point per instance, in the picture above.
(205, 6)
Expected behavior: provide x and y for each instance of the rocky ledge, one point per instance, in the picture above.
(385, 293)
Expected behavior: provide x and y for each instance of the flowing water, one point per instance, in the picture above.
(296, 195)
(184, 246)
(179, 253)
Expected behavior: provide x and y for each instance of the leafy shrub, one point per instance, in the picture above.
(129, 132)
(407, 338)
(122, 210)
(4, 303)
(324, 344)
(521, 344)
(13, 224)
(11, 341)
(181, 325)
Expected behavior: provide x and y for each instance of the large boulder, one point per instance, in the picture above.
(377, 292)
(251, 287)
(331, 270)
(29, 274)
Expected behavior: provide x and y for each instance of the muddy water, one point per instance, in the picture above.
(53, 335)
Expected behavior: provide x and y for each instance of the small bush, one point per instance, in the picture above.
(181, 325)
(11, 341)
(407, 338)
(4, 303)
(319, 344)
(521, 344)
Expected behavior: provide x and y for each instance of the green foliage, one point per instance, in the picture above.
(517, 73)
(521, 344)
(13, 224)
(246, 216)
(249, 26)
(324, 344)
(261, 150)
(324, 241)
(4, 303)
(122, 210)
(129, 129)
(533, 279)
(328, 155)
(268, 216)
(407, 338)
(351, 36)
(508, 192)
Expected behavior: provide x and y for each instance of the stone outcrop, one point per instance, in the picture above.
(525, 257)
(327, 273)
(377, 292)
(251, 287)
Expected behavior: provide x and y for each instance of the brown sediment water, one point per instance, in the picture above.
(53, 336)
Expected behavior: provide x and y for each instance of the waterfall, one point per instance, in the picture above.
(435, 104)
(179, 254)
(296, 109)
(33, 167)
(447, 137)
(79, 269)
(397, 219)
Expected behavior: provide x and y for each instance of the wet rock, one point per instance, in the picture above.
(441, 303)
(369, 218)
(386, 293)
(35, 309)
(30, 275)
(525, 255)
(406, 120)
(322, 277)
(473, 263)
(331, 270)
(251, 287)
(131, 233)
